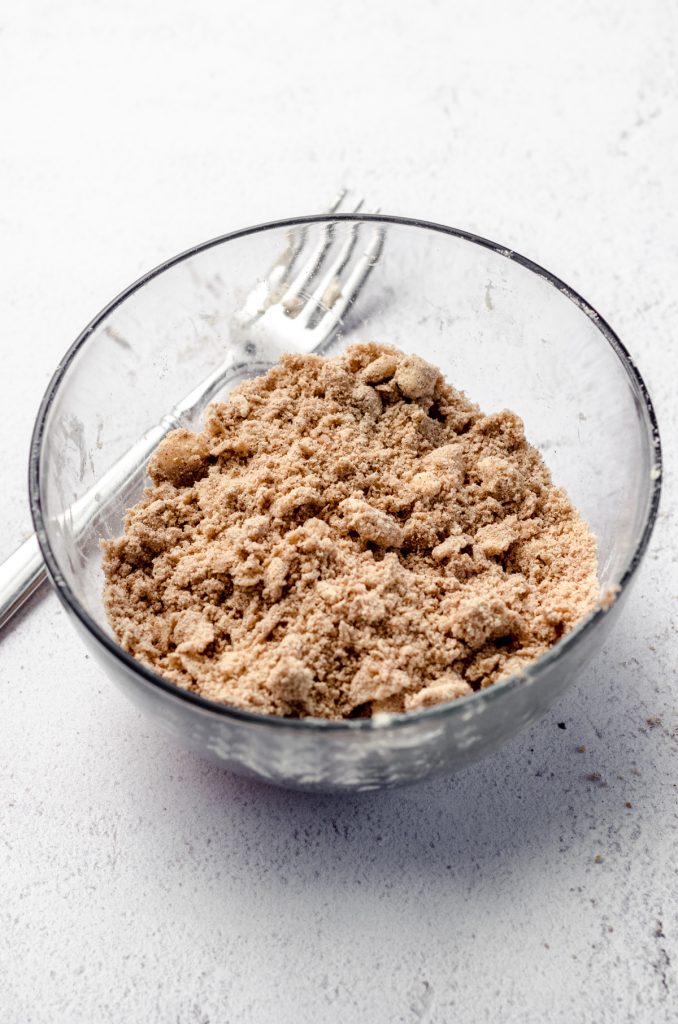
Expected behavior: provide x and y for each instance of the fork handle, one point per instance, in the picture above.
(23, 572)
(20, 576)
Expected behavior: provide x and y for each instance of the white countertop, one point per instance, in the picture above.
(141, 884)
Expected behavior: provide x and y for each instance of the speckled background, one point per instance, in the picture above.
(138, 883)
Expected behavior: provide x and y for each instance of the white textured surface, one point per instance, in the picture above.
(139, 883)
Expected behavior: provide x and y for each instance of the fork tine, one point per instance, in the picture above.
(313, 265)
(338, 200)
(352, 286)
(301, 234)
(296, 239)
(297, 236)
(330, 278)
(274, 285)
(352, 202)
(267, 290)
(309, 268)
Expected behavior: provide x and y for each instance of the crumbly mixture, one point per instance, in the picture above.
(347, 536)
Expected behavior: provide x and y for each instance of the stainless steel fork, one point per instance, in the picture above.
(299, 306)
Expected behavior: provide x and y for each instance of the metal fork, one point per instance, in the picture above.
(299, 306)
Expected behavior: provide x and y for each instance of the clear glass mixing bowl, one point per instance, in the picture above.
(503, 329)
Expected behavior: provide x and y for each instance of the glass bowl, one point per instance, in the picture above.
(500, 327)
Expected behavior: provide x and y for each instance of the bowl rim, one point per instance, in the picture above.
(461, 706)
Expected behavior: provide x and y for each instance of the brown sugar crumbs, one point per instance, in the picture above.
(347, 536)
